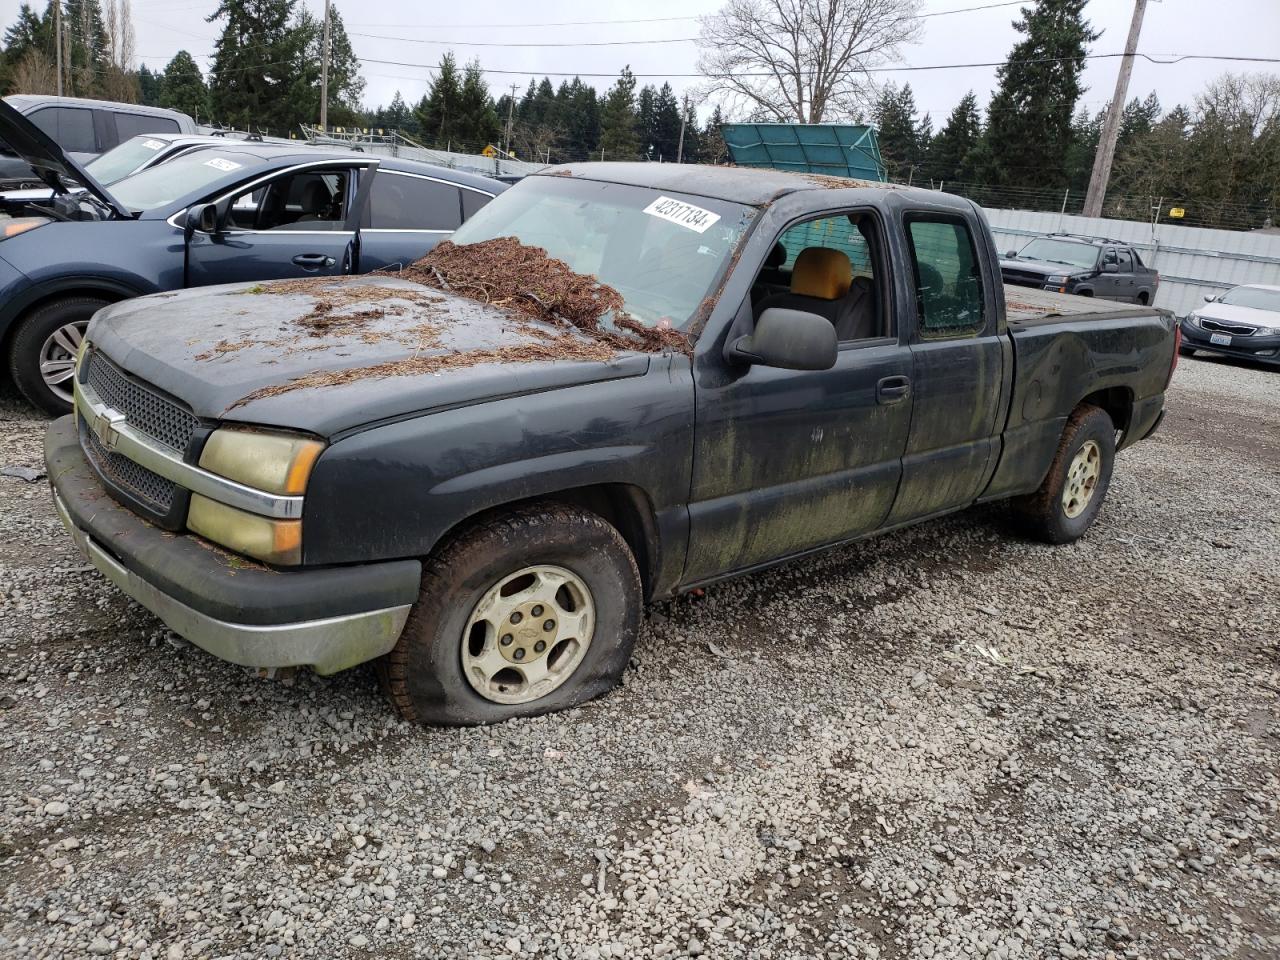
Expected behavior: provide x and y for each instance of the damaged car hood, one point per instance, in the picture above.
(334, 354)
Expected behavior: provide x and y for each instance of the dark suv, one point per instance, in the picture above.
(1085, 266)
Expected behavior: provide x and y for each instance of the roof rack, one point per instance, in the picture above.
(1087, 236)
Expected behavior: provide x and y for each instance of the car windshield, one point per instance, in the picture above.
(662, 251)
(166, 182)
(1069, 253)
(124, 159)
(1257, 297)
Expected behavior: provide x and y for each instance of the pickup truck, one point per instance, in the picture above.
(1084, 266)
(733, 368)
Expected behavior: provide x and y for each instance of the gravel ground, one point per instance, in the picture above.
(945, 742)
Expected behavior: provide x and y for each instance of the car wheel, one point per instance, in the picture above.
(1071, 495)
(1187, 351)
(527, 613)
(43, 353)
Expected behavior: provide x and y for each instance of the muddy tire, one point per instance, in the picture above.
(1068, 500)
(523, 614)
(42, 351)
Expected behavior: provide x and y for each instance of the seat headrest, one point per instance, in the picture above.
(821, 272)
(777, 256)
(314, 195)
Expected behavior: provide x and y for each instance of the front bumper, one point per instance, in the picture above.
(329, 619)
(1260, 349)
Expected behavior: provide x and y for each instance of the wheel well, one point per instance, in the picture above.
(1144, 298)
(62, 293)
(625, 507)
(1086, 292)
(1117, 402)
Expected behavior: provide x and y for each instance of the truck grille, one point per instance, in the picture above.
(1219, 326)
(1023, 279)
(147, 411)
(151, 488)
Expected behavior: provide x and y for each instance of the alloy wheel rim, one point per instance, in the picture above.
(527, 634)
(58, 357)
(1082, 479)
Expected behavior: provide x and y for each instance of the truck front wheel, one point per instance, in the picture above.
(526, 613)
(1072, 492)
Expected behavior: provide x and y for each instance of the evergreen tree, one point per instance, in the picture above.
(647, 121)
(951, 152)
(666, 124)
(1029, 120)
(1086, 131)
(397, 116)
(713, 145)
(88, 54)
(149, 82)
(693, 147)
(29, 32)
(257, 61)
(477, 119)
(619, 136)
(580, 109)
(182, 87)
(438, 112)
(895, 118)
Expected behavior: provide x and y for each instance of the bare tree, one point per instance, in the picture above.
(34, 73)
(120, 81)
(802, 61)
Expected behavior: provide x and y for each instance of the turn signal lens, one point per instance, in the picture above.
(278, 463)
(272, 541)
(12, 228)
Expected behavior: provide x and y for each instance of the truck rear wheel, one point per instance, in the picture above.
(523, 614)
(1071, 495)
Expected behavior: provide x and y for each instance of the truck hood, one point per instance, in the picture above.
(49, 161)
(227, 352)
(1042, 267)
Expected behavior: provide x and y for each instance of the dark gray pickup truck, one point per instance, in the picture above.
(1084, 266)
(427, 475)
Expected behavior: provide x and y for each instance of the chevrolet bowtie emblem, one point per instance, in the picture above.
(105, 428)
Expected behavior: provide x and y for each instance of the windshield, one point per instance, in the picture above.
(166, 182)
(662, 251)
(1256, 297)
(124, 159)
(1066, 252)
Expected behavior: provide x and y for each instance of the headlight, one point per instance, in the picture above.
(19, 225)
(1056, 281)
(273, 541)
(1193, 319)
(1267, 332)
(278, 463)
(275, 462)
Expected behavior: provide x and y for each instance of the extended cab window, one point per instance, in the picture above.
(827, 266)
(1126, 261)
(401, 202)
(948, 279)
(132, 124)
(71, 127)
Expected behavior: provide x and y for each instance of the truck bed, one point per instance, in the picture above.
(1026, 306)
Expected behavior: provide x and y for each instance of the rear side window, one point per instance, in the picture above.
(1126, 262)
(948, 281)
(473, 200)
(131, 124)
(71, 127)
(399, 202)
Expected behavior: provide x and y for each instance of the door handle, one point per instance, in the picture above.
(893, 390)
(313, 261)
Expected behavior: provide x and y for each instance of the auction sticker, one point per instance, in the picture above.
(681, 213)
(153, 144)
(226, 166)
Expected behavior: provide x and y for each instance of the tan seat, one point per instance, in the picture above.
(822, 282)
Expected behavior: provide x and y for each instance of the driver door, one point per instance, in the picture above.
(302, 222)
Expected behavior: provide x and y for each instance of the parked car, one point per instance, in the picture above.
(1085, 266)
(1243, 322)
(487, 522)
(134, 155)
(238, 211)
(84, 129)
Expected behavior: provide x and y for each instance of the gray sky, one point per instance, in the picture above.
(1234, 27)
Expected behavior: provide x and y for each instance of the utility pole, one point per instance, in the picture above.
(324, 74)
(1111, 128)
(684, 117)
(57, 35)
(511, 106)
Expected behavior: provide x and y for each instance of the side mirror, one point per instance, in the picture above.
(1011, 254)
(789, 340)
(1111, 268)
(1210, 298)
(203, 217)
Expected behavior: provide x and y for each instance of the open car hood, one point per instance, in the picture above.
(48, 160)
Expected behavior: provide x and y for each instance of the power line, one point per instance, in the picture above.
(492, 43)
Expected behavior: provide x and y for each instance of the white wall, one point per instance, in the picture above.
(1192, 261)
